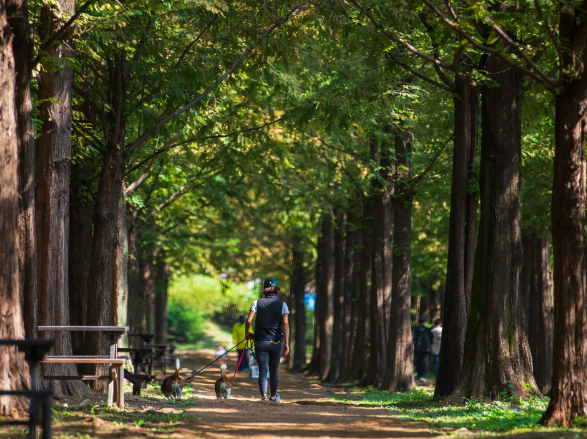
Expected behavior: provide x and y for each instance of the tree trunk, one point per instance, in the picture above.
(497, 356)
(345, 344)
(339, 272)
(399, 370)
(149, 285)
(52, 179)
(161, 299)
(14, 374)
(298, 289)
(105, 237)
(568, 398)
(461, 241)
(119, 299)
(361, 358)
(537, 288)
(314, 364)
(381, 264)
(17, 11)
(327, 305)
(136, 289)
(80, 243)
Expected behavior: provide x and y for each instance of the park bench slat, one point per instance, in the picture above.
(85, 359)
(84, 328)
(76, 377)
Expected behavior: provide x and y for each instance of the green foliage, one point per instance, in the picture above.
(185, 321)
(499, 415)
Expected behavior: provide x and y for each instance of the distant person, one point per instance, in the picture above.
(422, 340)
(238, 335)
(271, 336)
(435, 348)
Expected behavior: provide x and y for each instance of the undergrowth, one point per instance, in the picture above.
(500, 415)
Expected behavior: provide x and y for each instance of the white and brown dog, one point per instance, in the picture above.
(223, 384)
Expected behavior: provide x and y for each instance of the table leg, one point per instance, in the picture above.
(47, 418)
(120, 399)
(110, 387)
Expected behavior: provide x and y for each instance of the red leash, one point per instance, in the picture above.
(239, 363)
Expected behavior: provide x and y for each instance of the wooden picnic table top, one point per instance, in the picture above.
(135, 350)
(29, 342)
(142, 335)
(84, 359)
(84, 328)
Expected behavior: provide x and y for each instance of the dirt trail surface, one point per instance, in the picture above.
(304, 410)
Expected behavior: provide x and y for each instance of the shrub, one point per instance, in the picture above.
(185, 321)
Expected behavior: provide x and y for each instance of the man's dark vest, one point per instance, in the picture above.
(268, 321)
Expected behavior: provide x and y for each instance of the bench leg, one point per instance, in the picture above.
(120, 383)
(47, 418)
(110, 387)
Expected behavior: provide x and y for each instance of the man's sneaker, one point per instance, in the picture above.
(275, 399)
(263, 398)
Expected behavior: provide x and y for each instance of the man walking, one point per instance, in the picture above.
(238, 334)
(422, 339)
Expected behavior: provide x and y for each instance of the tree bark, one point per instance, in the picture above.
(105, 218)
(399, 369)
(314, 364)
(149, 284)
(80, 243)
(119, 299)
(161, 299)
(497, 356)
(538, 295)
(327, 305)
(347, 311)
(52, 180)
(17, 11)
(381, 264)
(298, 289)
(360, 364)
(568, 399)
(14, 374)
(461, 240)
(136, 288)
(339, 272)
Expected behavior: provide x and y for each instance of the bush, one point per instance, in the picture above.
(185, 321)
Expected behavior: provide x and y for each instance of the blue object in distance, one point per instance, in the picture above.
(310, 301)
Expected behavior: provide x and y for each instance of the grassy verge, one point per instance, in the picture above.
(511, 415)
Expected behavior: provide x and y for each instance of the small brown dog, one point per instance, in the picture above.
(223, 384)
(172, 386)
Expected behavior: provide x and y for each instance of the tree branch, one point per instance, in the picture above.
(426, 78)
(59, 33)
(539, 78)
(173, 115)
(419, 178)
(178, 193)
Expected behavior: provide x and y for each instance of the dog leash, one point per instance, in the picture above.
(238, 365)
(210, 364)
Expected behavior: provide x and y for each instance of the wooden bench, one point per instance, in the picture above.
(115, 376)
(140, 357)
(39, 401)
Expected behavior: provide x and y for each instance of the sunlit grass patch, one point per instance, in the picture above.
(505, 414)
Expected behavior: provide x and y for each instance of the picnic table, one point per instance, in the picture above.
(39, 401)
(146, 338)
(140, 357)
(115, 376)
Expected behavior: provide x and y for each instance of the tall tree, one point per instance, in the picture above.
(298, 289)
(13, 369)
(498, 357)
(537, 291)
(339, 281)
(18, 17)
(52, 180)
(327, 305)
(399, 370)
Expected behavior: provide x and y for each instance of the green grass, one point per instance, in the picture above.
(507, 414)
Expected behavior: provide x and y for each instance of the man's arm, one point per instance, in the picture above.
(286, 334)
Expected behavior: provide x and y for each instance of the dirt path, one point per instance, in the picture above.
(304, 410)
